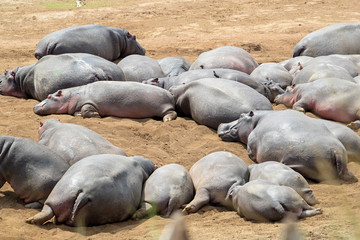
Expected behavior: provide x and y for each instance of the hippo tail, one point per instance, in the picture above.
(231, 189)
(80, 201)
(299, 50)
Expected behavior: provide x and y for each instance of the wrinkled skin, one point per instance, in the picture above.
(333, 39)
(282, 175)
(55, 72)
(325, 97)
(211, 102)
(74, 142)
(273, 72)
(292, 138)
(226, 57)
(262, 201)
(212, 176)
(164, 197)
(106, 98)
(30, 168)
(106, 42)
(138, 68)
(99, 189)
(174, 66)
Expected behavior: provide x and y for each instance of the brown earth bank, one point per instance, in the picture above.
(267, 29)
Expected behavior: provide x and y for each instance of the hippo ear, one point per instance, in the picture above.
(13, 74)
(202, 66)
(5, 72)
(155, 80)
(59, 93)
(217, 76)
(251, 113)
(41, 124)
(128, 35)
(300, 66)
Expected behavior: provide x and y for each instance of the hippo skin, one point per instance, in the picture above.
(164, 197)
(212, 101)
(261, 201)
(74, 142)
(96, 190)
(31, 169)
(292, 138)
(55, 72)
(174, 66)
(274, 72)
(333, 39)
(106, 98)
(106, 42)
(138, 68)
(267, 88)
(325, 97)
(229, 57)
(282, 175)
(212, 176)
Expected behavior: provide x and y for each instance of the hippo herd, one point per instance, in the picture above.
(79, 178)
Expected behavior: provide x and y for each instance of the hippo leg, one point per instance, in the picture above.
(145, 210)
(43, 216)
(309, 197)
(310, 212)
(172, 202)
(88, 111)
(202, 197)
(170, 116)
(35, 205)
(300, 106)
(354, 125)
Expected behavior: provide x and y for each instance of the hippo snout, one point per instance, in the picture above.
(227, 132)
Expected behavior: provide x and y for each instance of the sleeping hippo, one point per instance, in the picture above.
(96, 190)
(74, 142)
(212, 176)
(174, 66)
(106, 42)
(282, 175)
(273, 71)
(262, 201)
(325, 97)
(337, 38)
(138, 68)
(164, 197)
(212, 101)
(292, 63)
(55, 72)
(292, 138)
(106, 98)
(226, 57)
(31, 169)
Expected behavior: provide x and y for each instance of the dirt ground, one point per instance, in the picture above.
(267, 29)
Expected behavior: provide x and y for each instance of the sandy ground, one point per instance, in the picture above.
(267, 29)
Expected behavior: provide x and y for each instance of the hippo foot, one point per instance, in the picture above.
(139, 214)
(43, 216)
(89, 111)
(299, 109)
(189, 209)
(354, 125)
(170, 116)
(311, 212)
(34, 205)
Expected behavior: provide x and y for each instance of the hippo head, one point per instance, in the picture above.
(288, 97)
(47, 124)
(57, 102)
(9, 86)
(154, 82)
(131, 45)
(274, 90)
(148, 166)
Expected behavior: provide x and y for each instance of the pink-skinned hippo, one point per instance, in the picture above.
(74, 142)
(274, 72)
(138, 68)
(211, 101)
(262, 201)
(31, 169)
(338, 38)
(174, 66)
(226, 57)
(164, 197)
(96, 190)
(55, 72)
(107, 98)
(212, 176)
(292, 138)
(106, 42)
(267, 88)
(329, 98)
(282, 175)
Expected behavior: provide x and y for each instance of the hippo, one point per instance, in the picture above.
(321, 70)
(164, 197)
(174, 66)
(212, 176)
(262, 201)
(74, 142)
(212, 101)
(107, 98)
(292, 138)
(292, 63)
(282, 175)
(226, 57)
(55, 72)
(138, 68)
(106, 42)
(273, 71)
(325, 97)
(333, 39)
(31, 169)
(96, 190)
(267, 88)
